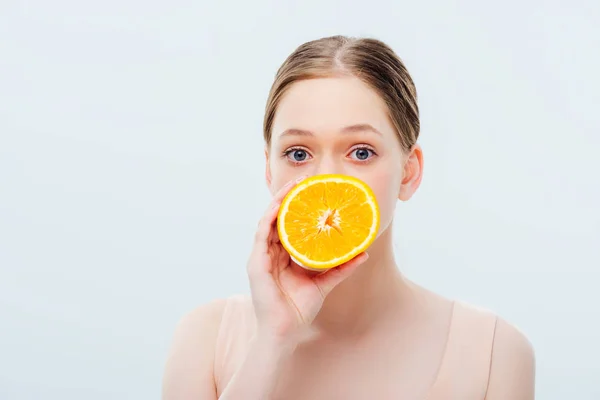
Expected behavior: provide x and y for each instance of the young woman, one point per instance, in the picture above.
(361, 330)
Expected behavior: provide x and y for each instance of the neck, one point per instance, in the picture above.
(373, 291)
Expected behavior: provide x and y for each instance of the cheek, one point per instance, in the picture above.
(385, 183)
(281, 173)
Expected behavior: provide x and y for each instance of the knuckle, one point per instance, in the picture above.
(274, 206)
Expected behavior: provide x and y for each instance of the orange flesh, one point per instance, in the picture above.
(328, 219)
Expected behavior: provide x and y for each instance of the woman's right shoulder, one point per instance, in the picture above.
(210, 315)
(198, 334)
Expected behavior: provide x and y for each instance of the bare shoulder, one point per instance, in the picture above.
(200, 325)
(206, 317)
(512, 362)
(512, 370)
(188, 371)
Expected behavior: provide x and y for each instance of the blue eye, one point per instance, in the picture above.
(362, 153)
(297, 155)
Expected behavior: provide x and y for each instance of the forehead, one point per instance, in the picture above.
(329, 104)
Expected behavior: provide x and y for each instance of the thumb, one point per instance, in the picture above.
(329, 279)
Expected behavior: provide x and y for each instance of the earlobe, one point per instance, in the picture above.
(412, 174)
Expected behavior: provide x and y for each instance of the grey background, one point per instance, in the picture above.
(131, 173)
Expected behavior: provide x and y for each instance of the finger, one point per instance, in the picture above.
(273, 237)
(329, 279)
(266, 223)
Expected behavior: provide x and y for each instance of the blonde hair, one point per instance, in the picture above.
(370, 60)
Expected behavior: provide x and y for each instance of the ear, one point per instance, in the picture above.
(412, 174)
(267, 169)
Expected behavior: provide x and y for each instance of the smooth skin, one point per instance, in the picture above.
(353, 329)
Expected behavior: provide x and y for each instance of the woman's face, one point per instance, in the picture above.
(341, 126)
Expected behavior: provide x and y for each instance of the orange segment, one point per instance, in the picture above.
(327, 220)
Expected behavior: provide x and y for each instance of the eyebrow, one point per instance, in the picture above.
(348, 129)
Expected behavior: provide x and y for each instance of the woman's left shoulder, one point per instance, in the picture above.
(506, 333)
(512, 367)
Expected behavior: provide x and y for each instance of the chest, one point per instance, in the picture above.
(378, 371)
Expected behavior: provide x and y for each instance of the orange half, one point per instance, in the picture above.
(326, 220)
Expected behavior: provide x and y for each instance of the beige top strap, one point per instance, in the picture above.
(236, 329)
(465, 369)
